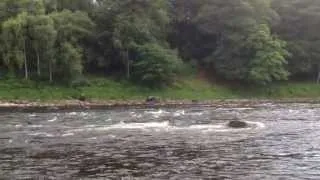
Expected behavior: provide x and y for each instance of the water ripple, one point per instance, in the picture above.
(281, 142)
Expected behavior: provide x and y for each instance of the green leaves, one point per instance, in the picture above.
(72, 26)
(48, 40)
(268, 63)
(13, 37)
(156, 66)
(299, 27)
(125, 25)
(253, 41)
(69, 61)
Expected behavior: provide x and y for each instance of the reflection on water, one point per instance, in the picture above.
(282, 142)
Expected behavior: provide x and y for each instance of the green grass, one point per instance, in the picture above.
(291, 90)
(187, 88)
(28, 90)
(184, 89)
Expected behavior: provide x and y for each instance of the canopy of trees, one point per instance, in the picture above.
(148, 41)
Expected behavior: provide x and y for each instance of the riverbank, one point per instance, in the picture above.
(75, 105)
(187, 88)
(104, 93)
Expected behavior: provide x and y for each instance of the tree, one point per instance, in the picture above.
(228, 24)
(69, 61)
(185, 34)
(130, 23)
(43, 36)
(72, 28)
(299, 27)
(268, 60)
(72, 5)
(14, 39)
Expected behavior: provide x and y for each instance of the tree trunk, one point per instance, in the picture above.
(50, 72)
(128, 64)
(318, 78)
(26, 74)
(38, 63)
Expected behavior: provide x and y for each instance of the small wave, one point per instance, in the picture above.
(67, 134)
(179, 113)
(53, 119)
(41, 134)
(166, 126)
(257, 125)
(32, 115)
(72, 113)
(136, 115)
(122, 125)
(83, 114)
(93, 138)
(109, 119)
(36, 126)
(140, 125)
(157, 114)
(90, 126)
(205, 127)
(196, 113)
(243, 108)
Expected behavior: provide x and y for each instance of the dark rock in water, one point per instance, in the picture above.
(152, 99)
(237, 124)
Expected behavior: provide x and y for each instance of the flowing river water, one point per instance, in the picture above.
(282, 142)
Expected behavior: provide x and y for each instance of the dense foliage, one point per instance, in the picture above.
(148, 41)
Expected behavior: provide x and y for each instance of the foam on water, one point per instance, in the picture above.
(166, 126)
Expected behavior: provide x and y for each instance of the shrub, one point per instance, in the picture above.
(156, 66)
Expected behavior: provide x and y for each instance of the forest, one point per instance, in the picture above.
(153, 42)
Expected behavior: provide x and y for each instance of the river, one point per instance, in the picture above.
(282, 142)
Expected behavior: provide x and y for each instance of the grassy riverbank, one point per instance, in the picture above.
(191, 88)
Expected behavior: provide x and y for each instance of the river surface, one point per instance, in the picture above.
(282, 142)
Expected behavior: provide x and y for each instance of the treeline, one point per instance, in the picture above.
(150, 41)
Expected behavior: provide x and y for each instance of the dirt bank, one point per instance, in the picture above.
(74, 105)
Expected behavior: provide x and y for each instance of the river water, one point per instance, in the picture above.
(282, 142)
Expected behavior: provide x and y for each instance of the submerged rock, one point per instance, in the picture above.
(237, 124)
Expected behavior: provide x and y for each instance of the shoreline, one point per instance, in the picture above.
(76, 105)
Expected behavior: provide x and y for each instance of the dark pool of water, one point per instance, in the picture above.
(282, 142)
